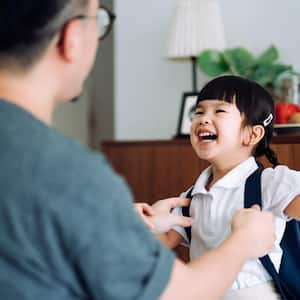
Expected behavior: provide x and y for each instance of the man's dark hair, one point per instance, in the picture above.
(28, 26)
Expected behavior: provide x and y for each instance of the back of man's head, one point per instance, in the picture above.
(28, 26)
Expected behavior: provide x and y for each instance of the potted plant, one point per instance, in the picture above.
(263, 69)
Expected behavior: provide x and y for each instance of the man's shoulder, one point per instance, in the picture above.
(42, 154)
(70, 161)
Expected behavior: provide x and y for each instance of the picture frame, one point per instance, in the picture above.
(188, 105)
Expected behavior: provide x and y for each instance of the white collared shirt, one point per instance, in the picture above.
(212, 212)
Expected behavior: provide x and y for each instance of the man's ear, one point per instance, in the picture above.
(255, 134)
(70, 42)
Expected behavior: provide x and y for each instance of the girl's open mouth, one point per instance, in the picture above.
(207, 136)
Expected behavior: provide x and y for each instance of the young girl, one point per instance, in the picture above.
(232, 126)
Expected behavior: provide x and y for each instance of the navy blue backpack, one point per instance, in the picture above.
(287, 281)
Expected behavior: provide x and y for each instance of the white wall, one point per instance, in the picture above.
(257, 24)
(148, 88)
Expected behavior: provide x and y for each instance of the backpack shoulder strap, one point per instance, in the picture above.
(252, 195)
(186, 213)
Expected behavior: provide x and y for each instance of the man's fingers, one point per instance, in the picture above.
(177, 202)
(256, 206)
(182, 221)
(148, 223)
(240, 210)
(148, 210)
(144, 209)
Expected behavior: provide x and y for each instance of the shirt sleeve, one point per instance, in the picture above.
(121, 259)
(279, 187)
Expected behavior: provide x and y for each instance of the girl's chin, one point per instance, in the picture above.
(204, 153)
(205, 143)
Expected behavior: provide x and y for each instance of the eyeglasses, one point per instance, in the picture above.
(105, 20)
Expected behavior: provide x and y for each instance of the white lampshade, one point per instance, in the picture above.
(197, 25)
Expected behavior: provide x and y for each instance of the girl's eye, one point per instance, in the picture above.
(220, 111)
(198, 113)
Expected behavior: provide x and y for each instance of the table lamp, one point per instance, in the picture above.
(196, 26)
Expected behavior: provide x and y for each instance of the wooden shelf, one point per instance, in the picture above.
(286, 139)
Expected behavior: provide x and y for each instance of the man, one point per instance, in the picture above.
(67, 226)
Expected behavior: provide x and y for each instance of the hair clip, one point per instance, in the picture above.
(268, 120)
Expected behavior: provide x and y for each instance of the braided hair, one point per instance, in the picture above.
(252, 100)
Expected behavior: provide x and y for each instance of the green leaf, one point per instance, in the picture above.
(212, 63)
(266, 74)
(268, 56)
(240, 60)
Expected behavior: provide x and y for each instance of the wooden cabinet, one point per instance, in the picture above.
(160, 169)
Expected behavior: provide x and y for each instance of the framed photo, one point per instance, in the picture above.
(188, 106)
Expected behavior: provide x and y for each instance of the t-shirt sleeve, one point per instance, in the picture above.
(120, 259)
(279, 187)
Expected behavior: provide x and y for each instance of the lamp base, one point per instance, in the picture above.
(194, 73)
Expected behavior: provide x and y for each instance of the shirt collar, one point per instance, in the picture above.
(231, 180)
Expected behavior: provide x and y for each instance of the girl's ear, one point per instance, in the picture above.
(254, 135)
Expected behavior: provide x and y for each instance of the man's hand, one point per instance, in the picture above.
(163, 219)
(257, 230)
(145, 211)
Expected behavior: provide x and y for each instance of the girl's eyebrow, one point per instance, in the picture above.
(223, 103)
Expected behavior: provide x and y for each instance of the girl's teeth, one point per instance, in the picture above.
(206, 136)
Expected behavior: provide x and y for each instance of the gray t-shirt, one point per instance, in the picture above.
(67, 225)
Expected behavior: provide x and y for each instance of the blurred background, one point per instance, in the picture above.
(134, 92)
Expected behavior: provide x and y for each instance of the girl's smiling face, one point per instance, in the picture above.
(218, 133)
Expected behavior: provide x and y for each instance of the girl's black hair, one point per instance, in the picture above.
(252, 100)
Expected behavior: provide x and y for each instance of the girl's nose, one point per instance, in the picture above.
(205, 120)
